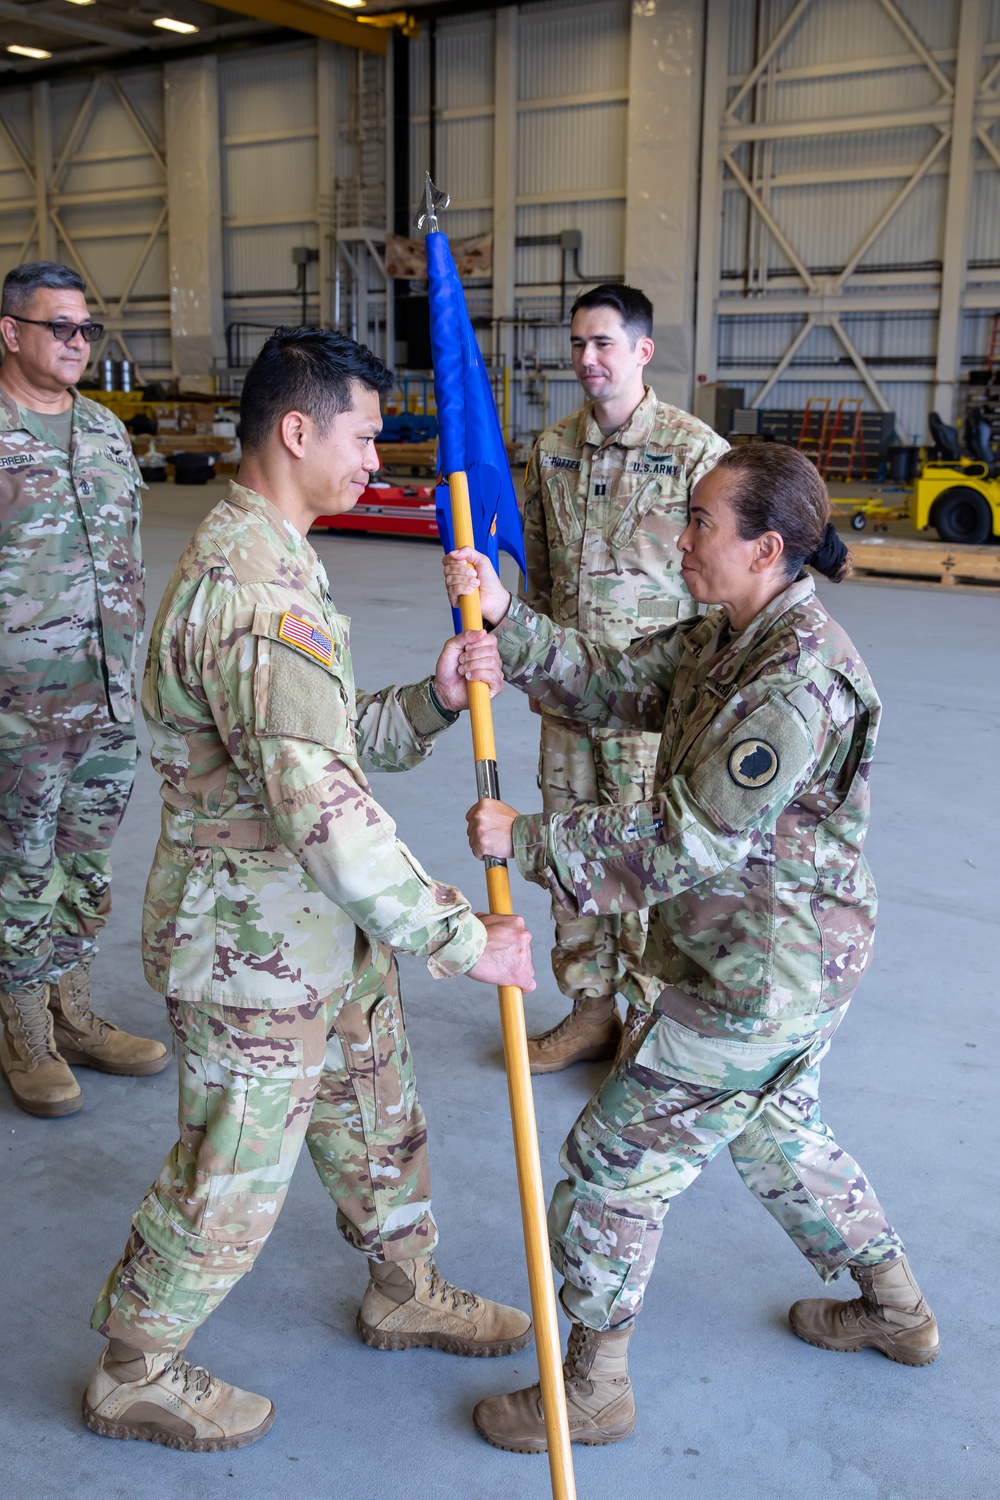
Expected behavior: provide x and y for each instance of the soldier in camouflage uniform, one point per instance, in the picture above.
(278, 893)
(72, 596)
(605, 499)
(762, 917)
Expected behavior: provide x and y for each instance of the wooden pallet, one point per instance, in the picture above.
(407, 458)
(927, 562)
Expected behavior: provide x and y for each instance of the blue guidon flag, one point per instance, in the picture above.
(469, 435)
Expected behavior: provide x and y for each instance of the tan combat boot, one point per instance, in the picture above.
(90, 1041)
(590, 1033)
(38, 1077)
(409, 1305)
(890, 1315)
(160, 1398)
(599, 1400)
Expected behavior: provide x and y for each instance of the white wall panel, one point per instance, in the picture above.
(264, 91)
(573, 149)
(273, 177)
(465, 62)
(465, 158)
(572, 49)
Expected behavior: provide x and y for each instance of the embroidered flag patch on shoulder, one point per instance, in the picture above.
(305, 637)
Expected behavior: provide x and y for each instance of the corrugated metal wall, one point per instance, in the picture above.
(268, 139)
(572, 88)
(827, 190)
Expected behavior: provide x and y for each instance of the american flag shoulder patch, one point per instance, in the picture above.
(305, 637)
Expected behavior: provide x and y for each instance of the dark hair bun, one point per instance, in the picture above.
(831, 557)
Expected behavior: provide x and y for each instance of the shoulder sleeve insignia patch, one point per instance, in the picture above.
(304, 636)
(754, 763)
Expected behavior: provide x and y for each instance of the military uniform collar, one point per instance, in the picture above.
(249, 500)
(723, 666)
(636, 432)
(15, 418)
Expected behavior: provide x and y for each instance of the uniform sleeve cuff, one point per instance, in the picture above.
(425, 712)
(516, 630)
(461, 952)
(531, 846)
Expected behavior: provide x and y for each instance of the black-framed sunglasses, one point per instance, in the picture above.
(63, 329)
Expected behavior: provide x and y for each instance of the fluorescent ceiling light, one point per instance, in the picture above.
(350, 4)
(38, 52)
(167, 23)
(81, 2)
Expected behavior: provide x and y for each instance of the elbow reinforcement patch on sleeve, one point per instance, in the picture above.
(756, 767)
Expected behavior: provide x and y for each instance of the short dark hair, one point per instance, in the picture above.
(776, 488)
(21, 284)
(632, 306)
(309, 370)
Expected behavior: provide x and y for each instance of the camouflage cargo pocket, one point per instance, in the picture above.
(601, 1249)
(11, 822)
(236, 1092)
(377, 1055)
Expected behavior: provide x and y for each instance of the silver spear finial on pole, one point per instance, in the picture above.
(434, 201)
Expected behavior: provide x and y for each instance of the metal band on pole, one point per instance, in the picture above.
(515, 1046)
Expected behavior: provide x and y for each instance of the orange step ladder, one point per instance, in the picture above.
(815, 425)
(843, 446)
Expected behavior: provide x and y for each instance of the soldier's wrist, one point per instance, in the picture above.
(449, 715)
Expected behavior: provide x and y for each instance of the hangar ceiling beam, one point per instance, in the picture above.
(48, 20)
(300, 16)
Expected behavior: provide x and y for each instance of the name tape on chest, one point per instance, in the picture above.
(753, 764)
(667, 468)
(118, 457)
(556, 461)
(16, 460)
(295, 631)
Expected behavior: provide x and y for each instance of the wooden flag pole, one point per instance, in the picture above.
(515, 1046)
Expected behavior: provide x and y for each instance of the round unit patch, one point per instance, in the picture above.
(753, 764)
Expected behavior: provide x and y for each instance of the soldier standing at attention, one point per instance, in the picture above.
(72, 616)
(605, 499)
(749, 854)
(278, 893)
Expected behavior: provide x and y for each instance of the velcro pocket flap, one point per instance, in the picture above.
(756, 767)
(305, 687)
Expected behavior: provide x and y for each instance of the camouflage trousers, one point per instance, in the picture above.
(254, 1085)
(673, 1100)
(60, 806)
(597, 957)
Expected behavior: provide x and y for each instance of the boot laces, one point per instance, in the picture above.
(194, 1377)
(31, 1014)
(444, 1290)
(77, 982)
(575, 1350)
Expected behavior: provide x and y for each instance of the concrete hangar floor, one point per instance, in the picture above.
(730, 1403)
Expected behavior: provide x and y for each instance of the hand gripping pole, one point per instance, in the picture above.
(515, 1046)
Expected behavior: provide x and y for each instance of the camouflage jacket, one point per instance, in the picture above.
(750, 852)
(71, 580)
(602, 517)
(274, 853)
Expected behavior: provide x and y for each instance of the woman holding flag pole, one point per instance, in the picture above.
(762, 913)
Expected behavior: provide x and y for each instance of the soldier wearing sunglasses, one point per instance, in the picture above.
(71, 599)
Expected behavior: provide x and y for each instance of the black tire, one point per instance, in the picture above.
(859, 521)
(962, 515)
